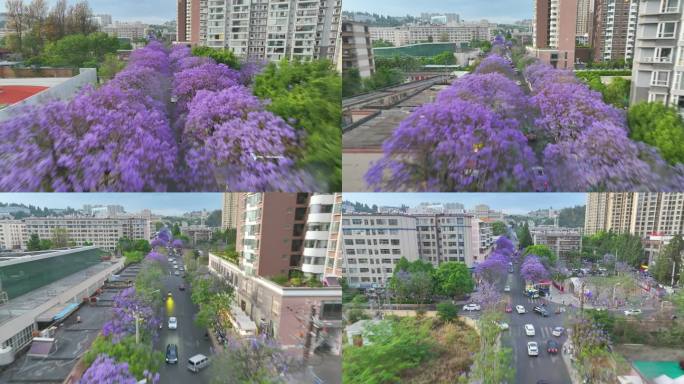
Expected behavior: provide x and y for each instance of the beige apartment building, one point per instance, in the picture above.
(638, 213)
(12, 234)
(126, 30)
(229, 211)
(374, 243)
(416, 34)
(562, 241)
(357, 50)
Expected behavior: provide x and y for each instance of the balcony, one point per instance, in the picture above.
(656, 60)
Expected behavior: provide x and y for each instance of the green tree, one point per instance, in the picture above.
(110, 66)
(79, 50)
(140, 357)
(546, 255)
(671, 254)
(33, 244)
(223, 56)
(380, 43)
(351, 82)
(309, 94)
(447, 311)
(148, 284)
(493, 363)
(453, 279)
(660, 126)
(499, 228)
(45, 244)
(383, 77)
(617, 92)
(142, 245)
(60, 237)
(524, 236)
(175, 230)
(395, 346)
(133, 257)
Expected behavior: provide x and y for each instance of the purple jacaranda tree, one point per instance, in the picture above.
(494, 267)
(495, 64)
(487, 295)
(493, 90)
(156, 256)
(251, 360)
(232, 142)
(532, 269)
(566, 110)
(207, 77)
(505, 246)
(540, 75)
(603, 158)
(157, 243)
(458, 146)
(177, 243)
(105, 370)
(164, 235)
(127, 307)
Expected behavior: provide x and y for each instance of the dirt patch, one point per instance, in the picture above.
(649, 353)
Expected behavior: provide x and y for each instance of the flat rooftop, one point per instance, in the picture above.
(24, 303)
(14, 90)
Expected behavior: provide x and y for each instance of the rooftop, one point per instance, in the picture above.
(11, 94)
(652, 369)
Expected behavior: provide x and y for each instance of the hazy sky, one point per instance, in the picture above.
(148, 11)
(161, 203)
(514, 203)
(504, 11)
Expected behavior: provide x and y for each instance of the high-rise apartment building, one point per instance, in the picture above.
(357, 50)
(585, 21)
(374, 243)
(263, 29)
(659, 57)
(280, 232)
(229, 211)
(638, 213)
(614, 29)
(554, 32)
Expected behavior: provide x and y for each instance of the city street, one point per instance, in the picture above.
(188, 337)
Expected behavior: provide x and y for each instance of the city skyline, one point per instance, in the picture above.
(522, 202)
(150, 11)
(159, 203)
(506, 11)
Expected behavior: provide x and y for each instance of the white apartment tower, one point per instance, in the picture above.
(229, 211)
(659, 55)
(320, 253)
(638, 213)
(272, 29)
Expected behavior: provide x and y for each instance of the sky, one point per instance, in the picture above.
(147, 11)
(502, 11)
(511, 203)
(160, 203)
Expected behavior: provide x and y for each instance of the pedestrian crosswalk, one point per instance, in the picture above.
(544, 332)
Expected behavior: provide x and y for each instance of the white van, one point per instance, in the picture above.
(197, 362)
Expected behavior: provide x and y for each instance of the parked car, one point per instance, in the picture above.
(552, 347)
(197, 362)
(509, 309)
(558, 331)
(471, 307)
(532, 348)
(529, 329)
(520, 309)
(632, 312)
(176, 273)
(173, 323)
(507, 288)
(171, 353)
(503, 326)
(181, 287)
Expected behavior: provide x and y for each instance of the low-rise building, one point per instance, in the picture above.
(562, 241)
(126, 30)
(300, 319)
(198, 233)
(653, 244)
(12, 234)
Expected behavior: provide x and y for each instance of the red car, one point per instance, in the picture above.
(181, 287)
(509, 309)
(552, 347)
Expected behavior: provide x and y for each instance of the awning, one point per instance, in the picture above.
(41, 346)
(65, 312)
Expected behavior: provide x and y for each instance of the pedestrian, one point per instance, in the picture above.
(78, 319)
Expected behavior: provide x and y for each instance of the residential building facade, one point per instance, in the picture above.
(12, 234)
(554, 32)
(562, 241)
(374, 243)
(198, 233)
(229, 210)
(638, 213)
(357, 50)
(126, 30)
(614, 29)
(659, 56)
(450, 33)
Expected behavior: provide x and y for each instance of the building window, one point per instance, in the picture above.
(657, 97)
(669, 6)
(660, 78)
(666, 30)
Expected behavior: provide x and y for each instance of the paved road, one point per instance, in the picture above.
(188, 337)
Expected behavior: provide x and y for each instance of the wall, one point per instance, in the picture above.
(62, 91)
(11, 73)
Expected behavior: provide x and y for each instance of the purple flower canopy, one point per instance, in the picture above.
(130, 134)
(532, 269)
(177, 243)
(156, 256)
(105, 370)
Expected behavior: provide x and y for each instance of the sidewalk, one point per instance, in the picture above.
(565, 298)
(574, 375)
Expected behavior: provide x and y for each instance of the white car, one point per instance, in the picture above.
(173, 323)
(557, 331)
(520, 309)
(507, 288)
(632, 312)
(529, 329)
(532, 348)
(471, 307)
(503, 326)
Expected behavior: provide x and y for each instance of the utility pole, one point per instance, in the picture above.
(137, 328)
